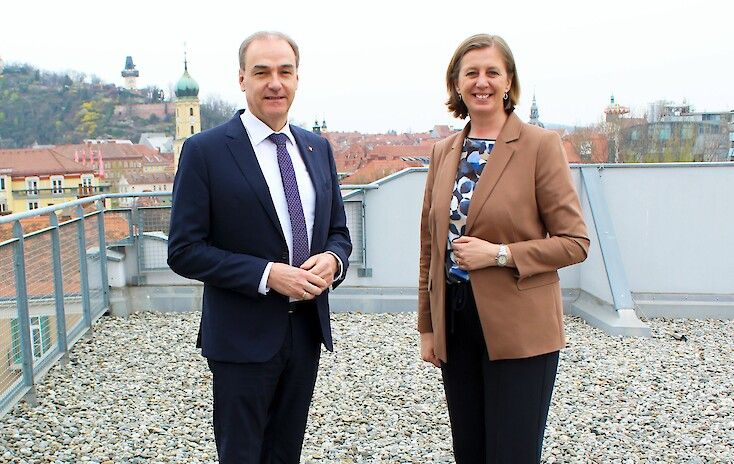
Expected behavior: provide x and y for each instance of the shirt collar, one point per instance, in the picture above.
(259, 131)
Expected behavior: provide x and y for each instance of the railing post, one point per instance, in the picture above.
(83, 271)
(24, 323)
(103, 255)
(138, 226)
(61, 340)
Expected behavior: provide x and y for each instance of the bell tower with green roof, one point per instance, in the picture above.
(188, 113)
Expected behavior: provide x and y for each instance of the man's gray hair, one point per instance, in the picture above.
(266, 35)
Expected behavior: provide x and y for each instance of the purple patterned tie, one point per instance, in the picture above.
(293, 198)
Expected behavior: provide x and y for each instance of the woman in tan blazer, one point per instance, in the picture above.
(500, 217)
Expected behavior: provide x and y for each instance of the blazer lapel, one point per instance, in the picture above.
(498, 159)
(443, 186)
(241, 150)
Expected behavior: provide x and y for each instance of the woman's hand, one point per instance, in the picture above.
(427, 353)
(472, 253)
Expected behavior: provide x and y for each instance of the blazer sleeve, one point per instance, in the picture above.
(338, 240)
(560, 210)
(190, 253)
(424, 302)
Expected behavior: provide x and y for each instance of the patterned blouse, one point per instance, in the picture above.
(474, 156)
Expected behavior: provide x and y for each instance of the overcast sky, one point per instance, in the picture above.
(378, 65)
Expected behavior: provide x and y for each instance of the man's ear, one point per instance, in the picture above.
(241, 79)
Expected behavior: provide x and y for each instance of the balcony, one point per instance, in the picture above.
(647, 372)
(81, 191)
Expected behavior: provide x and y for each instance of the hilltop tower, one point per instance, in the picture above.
(188, 112)
(130, 74)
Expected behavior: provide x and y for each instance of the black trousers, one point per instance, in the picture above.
(498, 409)
(260, 409)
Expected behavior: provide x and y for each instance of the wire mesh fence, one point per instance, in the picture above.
(93, 254)
(64, 271)
(10, 373)
(71, 276)
(39, 278)
(118, 225)
(154, 225)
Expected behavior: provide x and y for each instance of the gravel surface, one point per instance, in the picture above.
(139, 392)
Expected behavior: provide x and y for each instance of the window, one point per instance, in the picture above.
(57, 185)
(355, 222)
(31, 184)
(2, 183)
(191, 111)
(3, 207)
(32, 205)
(192, 130)
(40, 338)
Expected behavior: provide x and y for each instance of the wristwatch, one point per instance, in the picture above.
(501, 259)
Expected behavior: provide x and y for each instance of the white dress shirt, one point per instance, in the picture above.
(267, 158)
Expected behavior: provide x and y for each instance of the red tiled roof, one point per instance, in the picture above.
(377, 169)
(398, 151)
(25, 162)
(149, 178)
(572, 156)
(110, 151)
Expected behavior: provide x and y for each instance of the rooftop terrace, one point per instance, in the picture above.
(138, 391)
(660, 247)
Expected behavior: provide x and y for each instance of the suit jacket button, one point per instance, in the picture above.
(284, 257)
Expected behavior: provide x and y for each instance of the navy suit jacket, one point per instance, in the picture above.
(224, 231)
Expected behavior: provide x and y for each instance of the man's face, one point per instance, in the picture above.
(270, 80)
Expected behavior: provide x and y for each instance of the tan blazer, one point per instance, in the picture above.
(525, 198)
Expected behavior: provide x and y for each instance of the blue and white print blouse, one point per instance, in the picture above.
(474, 155)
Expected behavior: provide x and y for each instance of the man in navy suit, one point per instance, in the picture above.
(258, 217)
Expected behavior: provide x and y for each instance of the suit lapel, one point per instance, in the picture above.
(310, 155)
(443, 186)
(243, 154)
(498, 159)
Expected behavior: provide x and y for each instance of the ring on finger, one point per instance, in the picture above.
(305, 295)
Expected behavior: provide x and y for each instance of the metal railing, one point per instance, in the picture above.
(54, 283)
(78, 191)
(54, 280)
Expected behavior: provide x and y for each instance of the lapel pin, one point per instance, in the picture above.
(310, 148)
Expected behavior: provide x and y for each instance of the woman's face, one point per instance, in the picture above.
(483, 81)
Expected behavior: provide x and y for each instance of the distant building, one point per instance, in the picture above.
(188, 113)
(316, 129)
(162, 111)
(615, 111)
(158, 141)
(130, 74)
(146, 182)
(441, 131)
(535, 114)
(35, 178)
(117, 159)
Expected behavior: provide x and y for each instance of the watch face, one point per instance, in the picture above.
(502, 260)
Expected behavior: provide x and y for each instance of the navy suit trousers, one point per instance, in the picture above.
(260, 409)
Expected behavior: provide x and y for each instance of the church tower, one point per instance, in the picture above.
(188, 115)
(535, 114)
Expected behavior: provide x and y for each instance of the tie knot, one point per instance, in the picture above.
(278, 139)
